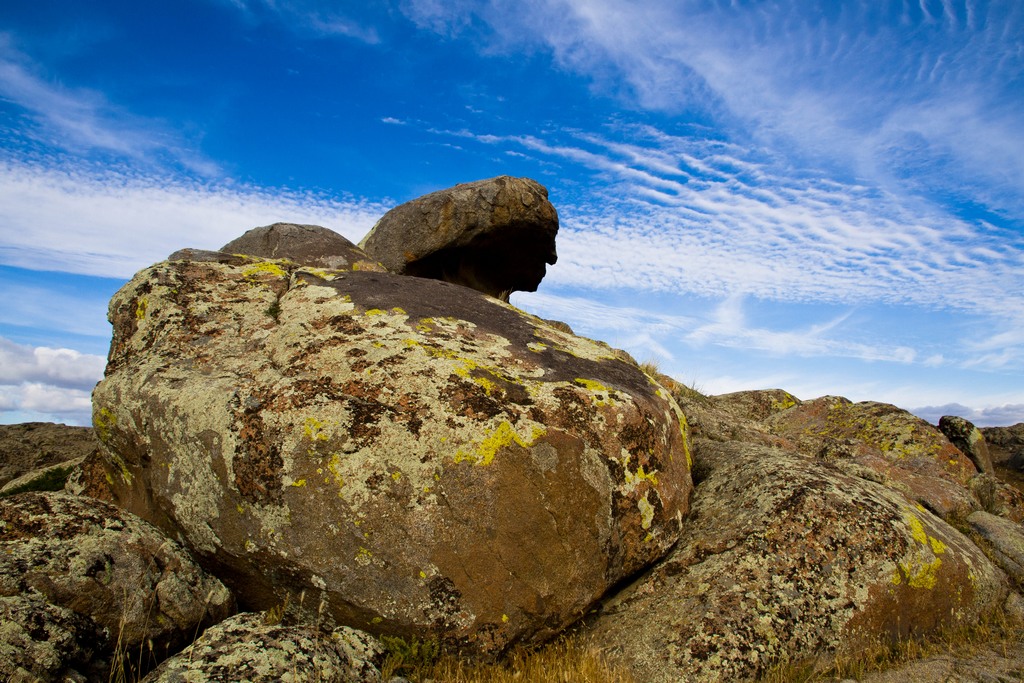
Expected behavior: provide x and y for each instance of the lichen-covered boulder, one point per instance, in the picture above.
(307, 245)
(259, 649)
(969, 439)
(494, 235)
(788, 558)
(432, 461)
(903, 450)
(107, 566)
(40, 641)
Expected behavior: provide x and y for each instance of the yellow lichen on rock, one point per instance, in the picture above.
(503, 436)
(921, 570)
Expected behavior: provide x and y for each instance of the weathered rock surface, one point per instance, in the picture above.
(247, 648)
(32, 445)
(40, 641)
(1005, 539)
(788, 557)
(1006, 445)
(492, 235)
(307, 245)
(969, 439)
(906, 452)
(432, 461)
(101, 570)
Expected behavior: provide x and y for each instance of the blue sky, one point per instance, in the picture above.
(822, 197)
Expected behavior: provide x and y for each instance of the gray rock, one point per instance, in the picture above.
(246, 647)
(107, 566)
(307, 245)
(49, 478)
(495, 236)
(1006, 540)
(40, 641)
(969, 439)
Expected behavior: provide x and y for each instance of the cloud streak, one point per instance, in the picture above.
(79, 119)
(109, 222)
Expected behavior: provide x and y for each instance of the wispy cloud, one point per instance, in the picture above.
(307, 17)
(80, 219)
(709, 218)
(83, 120)
(921, 102)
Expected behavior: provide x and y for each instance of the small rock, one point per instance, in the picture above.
(246, 648)
(969, 439)
(307, 245)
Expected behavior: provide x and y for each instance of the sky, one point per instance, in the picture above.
(823, 197)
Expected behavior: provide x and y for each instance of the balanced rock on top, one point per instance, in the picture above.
(495, 236)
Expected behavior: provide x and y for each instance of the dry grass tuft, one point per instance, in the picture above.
(568, 660)
(995, 632)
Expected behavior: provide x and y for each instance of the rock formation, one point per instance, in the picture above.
(355, 452)
(33, 445)
(431, 460)
(969, 440)
(495, 236)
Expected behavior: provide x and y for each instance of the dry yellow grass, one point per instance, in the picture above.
(568, 660)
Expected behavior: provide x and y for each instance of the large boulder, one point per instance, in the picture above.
(494, 235)
(82, 576)
(789, 558)
(432, 461)
(307, 245)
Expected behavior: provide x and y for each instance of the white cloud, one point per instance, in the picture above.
(919, 104)
(63, 368)
(111, 223)
(47, 384)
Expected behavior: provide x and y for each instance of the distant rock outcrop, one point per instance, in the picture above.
(33, 445)
(495, 236)
(432, 461)
(969, 439)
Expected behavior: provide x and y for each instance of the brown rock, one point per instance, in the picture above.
(433, 461)
(903, 450)
(492, 235)
(787, 558)
(307, 245)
